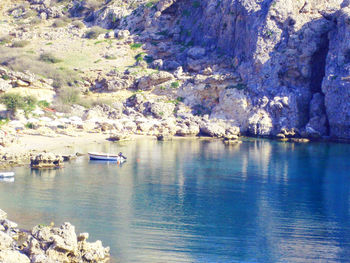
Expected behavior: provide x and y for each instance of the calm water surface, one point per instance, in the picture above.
(199, 201)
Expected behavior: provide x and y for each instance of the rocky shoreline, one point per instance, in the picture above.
(47, 244)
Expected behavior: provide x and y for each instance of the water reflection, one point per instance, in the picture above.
(199, 201)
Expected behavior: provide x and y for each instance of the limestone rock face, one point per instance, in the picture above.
(290, 51)
(336, 84)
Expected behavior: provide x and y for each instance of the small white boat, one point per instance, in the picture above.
(107, 157)
(6, 174)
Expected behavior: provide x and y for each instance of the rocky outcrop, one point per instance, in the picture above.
(47, 244)
(46, 160)
(148, 82)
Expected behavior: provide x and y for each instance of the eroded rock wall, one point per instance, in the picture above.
(279, 48)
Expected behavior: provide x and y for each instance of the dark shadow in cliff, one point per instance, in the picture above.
(318, 67)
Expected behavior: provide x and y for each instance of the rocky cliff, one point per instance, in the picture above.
(289, 59)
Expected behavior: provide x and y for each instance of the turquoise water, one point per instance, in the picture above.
(199, 201)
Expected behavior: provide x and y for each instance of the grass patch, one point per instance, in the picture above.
(19, 60)
(49, 58)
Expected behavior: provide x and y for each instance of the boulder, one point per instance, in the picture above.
(212, 129)
(260, 124)
(196, 52)
(122, 34)
(148, 82)
(6, 241)
(187, 129)
(162, 110)
(3, 215)
(4, 85)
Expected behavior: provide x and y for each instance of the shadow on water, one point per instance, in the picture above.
(199, 201)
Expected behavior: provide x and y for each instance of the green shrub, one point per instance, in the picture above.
(49, 58)
(61, 22)
(140, 56)
(78, 24)
(69, 96)
(5, 77)
(29, 103)
(29, 125)
(5, 40)
(12, 101)
(43, 104)
(20, 43)
(135, 45)
(175, 85)
(94, 32)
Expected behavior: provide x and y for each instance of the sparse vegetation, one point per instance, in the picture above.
(140, 56)
(43, 104)
(5, 77)
(14, 101)
(5, 40)
(135, 45)
(175, 85)
(35, 21)
(49, 58)
(61, 22)
(69, 96)
(19, 60)
(20, 43)
(110, 57)
(94, 32)
(78, 24)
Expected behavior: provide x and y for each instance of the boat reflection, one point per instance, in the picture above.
(7, 180)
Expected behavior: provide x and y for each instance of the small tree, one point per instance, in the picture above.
(12, 102)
